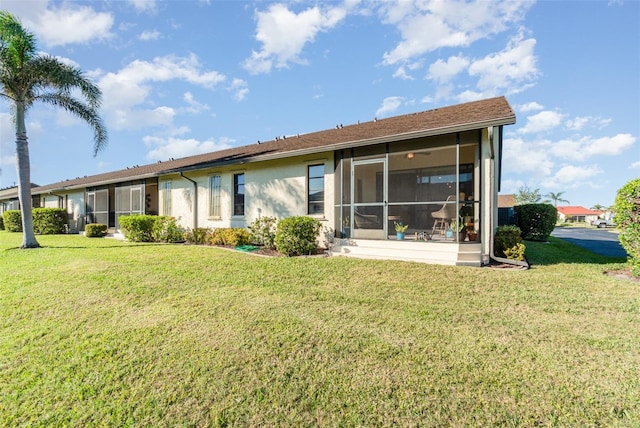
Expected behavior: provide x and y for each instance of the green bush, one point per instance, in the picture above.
(627, 218)
(95, 230)
(506, 241)
(296, 236)
(50, 221)
(198, 236)
(166, 229)
(230, 236)
(137, 227)
(1, 222)
(12, 220)
(263, 231)
(536, 221)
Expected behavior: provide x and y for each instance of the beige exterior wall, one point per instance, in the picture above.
(50, 201)
(75, 205)
(275, 188)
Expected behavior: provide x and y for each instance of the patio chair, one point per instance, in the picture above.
(443, 216)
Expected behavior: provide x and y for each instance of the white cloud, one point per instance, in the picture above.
(540, 122)
(194, 106)
(142, 118)
(444, 71)
(532, 106)
(522, 156)
(284, 34)
(144, 5)
(132, 86)
(163, 148)
(585, 147)
(509, 71)
(149, 35)
(71, 24)
(389, 105)
(570, 176)
(401, 73)
(240, 89)
(578, 123)
(427, 26)
(635, 165)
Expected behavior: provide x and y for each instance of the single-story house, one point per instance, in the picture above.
(577, 213)
(429, 170)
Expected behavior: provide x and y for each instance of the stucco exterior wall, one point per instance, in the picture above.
(76, 205)
(50, 201)
(275, 188)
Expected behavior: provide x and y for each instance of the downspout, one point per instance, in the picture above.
(492, 255)
(195, 199)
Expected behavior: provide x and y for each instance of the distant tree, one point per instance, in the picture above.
(27, 77)
(527, 196)
(598, 207)
(556, 197)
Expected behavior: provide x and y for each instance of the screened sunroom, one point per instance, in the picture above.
(429, 187)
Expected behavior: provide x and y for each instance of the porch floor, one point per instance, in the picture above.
(432, 251)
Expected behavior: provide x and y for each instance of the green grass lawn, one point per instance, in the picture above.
(98, 332)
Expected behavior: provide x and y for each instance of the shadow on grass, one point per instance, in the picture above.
(557, 251)
(87, 247)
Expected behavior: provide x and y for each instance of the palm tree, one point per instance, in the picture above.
(556, 197)
(27, 77)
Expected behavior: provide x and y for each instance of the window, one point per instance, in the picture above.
(166, 198)
(315, 189)
(214, 196)
(238, 194)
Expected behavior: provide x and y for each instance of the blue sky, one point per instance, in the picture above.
(186, 77)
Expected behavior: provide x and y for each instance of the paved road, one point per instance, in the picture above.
(600, 241)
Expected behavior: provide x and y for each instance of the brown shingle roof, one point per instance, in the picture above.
(506, 201)
(461, 117)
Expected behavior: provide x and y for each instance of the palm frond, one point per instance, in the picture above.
(86, 112)
(54, 73)
(17, 45)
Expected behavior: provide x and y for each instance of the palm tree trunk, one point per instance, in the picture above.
(24, 179)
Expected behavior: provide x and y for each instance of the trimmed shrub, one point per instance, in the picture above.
(230, 236)
(263, 231)
(1, 222)
(296, 236)
(507, 241)
(627, 218)
(95, 230)
(536, 221)
(198, 236)
(12, 220)
(137, 227)
(166, 229)
(50, 221)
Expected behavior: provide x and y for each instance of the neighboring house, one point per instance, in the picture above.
(576, 214)
(358, 180)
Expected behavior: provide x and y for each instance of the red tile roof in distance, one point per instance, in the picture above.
(461, 117)
(576, 210)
